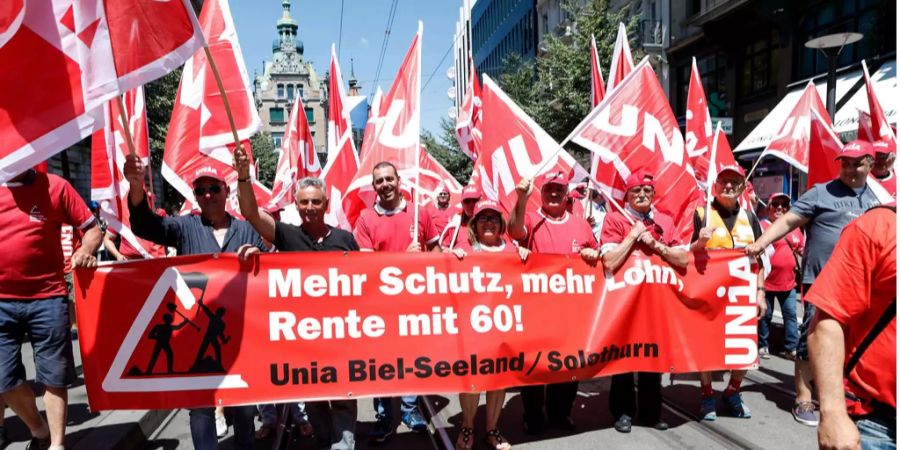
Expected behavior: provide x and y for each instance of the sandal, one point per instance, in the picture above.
(496, 441)
(464, 440)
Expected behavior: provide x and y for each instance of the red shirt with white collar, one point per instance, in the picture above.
(31, 217)
(566, 235)
(889, 183)
(391, 231)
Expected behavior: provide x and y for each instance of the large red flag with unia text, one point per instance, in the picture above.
(791, 144)
(63, 60)
(468, 121)
(634, 128)
(622, 62)
(515, 147)
(297, 159)
(199, 131)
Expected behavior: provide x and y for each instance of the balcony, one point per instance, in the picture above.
(651, 34)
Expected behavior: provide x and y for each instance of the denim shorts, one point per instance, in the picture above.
(46, 323)
(809, 310)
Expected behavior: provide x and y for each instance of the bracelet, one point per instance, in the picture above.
(759, 288)
(245, 180)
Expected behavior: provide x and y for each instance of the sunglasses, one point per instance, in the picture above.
(201, 191)
(783, 205)
(488, 218)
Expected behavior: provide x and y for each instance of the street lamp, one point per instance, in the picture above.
(831, 45)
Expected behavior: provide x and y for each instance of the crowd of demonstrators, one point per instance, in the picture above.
(391, 226)
(486, 234)
(550, 229)
(33, 297)
(853, 336)
(823, 212)
(212, 231)
(781, 283)
(727, 226)
(334, 422)
(649, 232)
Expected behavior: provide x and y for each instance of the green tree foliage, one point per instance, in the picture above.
(159, 99)
(265, 156)
(445, 150)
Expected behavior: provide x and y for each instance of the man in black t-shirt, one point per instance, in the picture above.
(314, 235)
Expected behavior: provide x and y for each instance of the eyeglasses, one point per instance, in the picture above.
(733, 181)
(644, 189)
(470, 200)
(201, 191)
(488, 218)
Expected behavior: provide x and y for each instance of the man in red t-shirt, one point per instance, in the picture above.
(442, 211)
(781, 284)
(883, 169)
(853, 337)
(388, 227)
(454, 234)
(648, 232)
(551, 229)
(33, 297)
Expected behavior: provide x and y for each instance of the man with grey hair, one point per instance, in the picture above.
(314, 235)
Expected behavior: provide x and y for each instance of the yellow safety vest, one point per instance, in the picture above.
(739, 236)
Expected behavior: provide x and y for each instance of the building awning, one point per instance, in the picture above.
(850, 95)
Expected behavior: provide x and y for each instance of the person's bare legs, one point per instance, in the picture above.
(469, 403)
(21, 401)
(803, 381)
(56, 400)
(494, 408)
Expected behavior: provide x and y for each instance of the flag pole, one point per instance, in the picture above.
(758, 160)
(415, 193)
(124, 120)
(711, 173)
(215, 71)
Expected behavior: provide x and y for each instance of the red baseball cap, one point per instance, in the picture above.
(640, 178)
(777, 195)
(732, 168)
(556, 177)
(471, 192)
(856, 149)
(487, 205)
(885, 146)
(207, 172)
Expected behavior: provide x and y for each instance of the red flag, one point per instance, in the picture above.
(199, 131)
(824, 146)
(63, 59)
(432, 177)
(597, 90)
(468, 122)
(372, 125)
(864, 131)
(515, 148)
(622, 62)
(698, 132)
(340, 132)
(879, 126)
(297, 160)
(108, 185)
(634, 128)
(791, 144)
(136, 112)
(396, 130)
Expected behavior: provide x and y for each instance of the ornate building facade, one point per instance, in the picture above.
(286, 78)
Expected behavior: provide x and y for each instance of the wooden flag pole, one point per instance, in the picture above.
(215, 71)
(124, 120)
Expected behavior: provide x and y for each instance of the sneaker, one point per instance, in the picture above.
(414, 421)
(805, 413)
(38, 444)
(381, 431)
(708, 408)
(764, 353)
(736, 405)
(221, 426)
(789, 355)
(623, 425)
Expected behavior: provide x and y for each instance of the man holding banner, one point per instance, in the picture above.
(213, 231)
(823, 211)
(649, 232)
(33, 296)
(727, 225)
(551, 229)
(314, 235)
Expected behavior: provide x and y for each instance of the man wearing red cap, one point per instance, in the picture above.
(212, 231)
(453, 235)
(883, 169)
(823, 212)
(550, 229)
(727, 226)
(781, 283)
(648, 232)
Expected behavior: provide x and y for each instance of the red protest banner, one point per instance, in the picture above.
(204, 330)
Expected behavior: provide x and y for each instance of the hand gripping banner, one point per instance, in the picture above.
(204, 330)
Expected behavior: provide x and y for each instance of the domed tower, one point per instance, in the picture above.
(287, 40)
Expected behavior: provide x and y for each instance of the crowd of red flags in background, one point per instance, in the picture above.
(87, 62)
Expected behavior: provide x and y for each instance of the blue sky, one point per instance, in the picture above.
(364, 27)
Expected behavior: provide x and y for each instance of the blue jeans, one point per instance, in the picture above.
(788, 302)
(384, 411)
(46, 322)
(809, 310)
(203, 427)
(877, 434)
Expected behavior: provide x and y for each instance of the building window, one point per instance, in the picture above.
(280, 91)
(276, 115)
(759, 67)
(300, 92)
(873, 18)
(310, 116)
(290, 92)
(713, 77)
(277, 138)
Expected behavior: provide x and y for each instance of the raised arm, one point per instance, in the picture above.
(516, 225)
(144, 223)
(263, 223)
